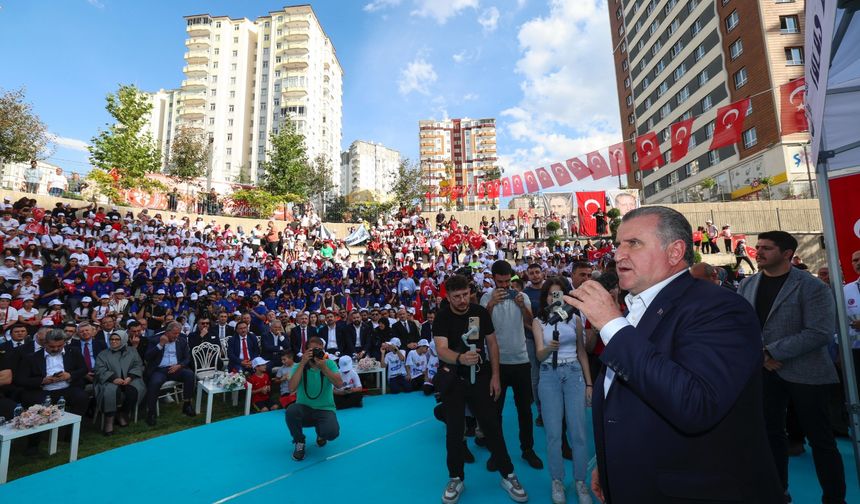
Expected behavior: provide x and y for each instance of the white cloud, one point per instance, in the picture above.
(377, 5)
(459, 57)
(466, 55)
(442, 10)
(470, 97)
(96, 3)
(489, 19)
(417, 76)
(70, 143)
(569, 105)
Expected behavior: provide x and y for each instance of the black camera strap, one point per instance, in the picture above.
(305, 384)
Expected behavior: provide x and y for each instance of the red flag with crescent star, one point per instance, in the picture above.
(578, 168)
(544, 178)
(791, 111)
(618, 162)
(531, 182)
(493, 188)
(506, 187)
(587, 203)
(517, 182)
(648, 150)
(681, 132)
(729, 124)
(561, 175)
(846, 220)
(597, 165)
(481, 189)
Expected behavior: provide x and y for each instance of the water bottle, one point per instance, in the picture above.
(18, 410)
(62, 404)
(47, 402)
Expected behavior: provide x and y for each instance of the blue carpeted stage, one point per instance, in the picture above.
(390, 451)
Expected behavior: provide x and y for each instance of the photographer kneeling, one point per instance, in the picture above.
(313, 379)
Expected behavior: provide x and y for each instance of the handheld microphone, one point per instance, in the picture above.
(560, 313)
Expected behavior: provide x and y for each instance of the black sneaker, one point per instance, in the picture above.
(531, 457)
(481, 441)
(299, 452)
(468, 456)
(321, 442)
(188, 409)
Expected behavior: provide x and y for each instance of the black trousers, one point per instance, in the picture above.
(76, 399)
(477, 397)
(519, 378)
(345, 401)
(746, 259)
(126, 398)
(153, 386)
(810, 403)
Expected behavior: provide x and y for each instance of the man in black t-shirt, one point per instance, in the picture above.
(451, 323)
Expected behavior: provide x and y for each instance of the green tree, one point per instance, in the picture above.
(709, 184)
(767, 182)
(614, 215)
(189, 155)
(408, 189)
(287, 169)
(23, 136)
(319, 177)
(124, 146)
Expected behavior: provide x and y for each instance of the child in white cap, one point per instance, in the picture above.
(261, 386)
(395, 359)
(351, 393)
(416, 365)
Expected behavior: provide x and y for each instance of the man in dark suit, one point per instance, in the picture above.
(300, 334)
(354, 338)
(242, 348)
(797, 316)
(221, 330)
(54, 371)
(677, 410)
(202, 334)
(108, 327)
(168, 358)
(90, 347)
(274, 343)
(406, 330)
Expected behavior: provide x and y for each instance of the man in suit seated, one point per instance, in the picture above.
(427, 326)
(678, 407)
(108, 327)
(90, 347)
(168, 358)
(203, 334)
(242, 348)
(221, 330)
(406, 330)
(274, 344)
(354, 338)
(301, 333)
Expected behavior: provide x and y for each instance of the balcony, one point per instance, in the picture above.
(296, 34)
(197, 56)
(198, 83)
(293, 63)
(298, 23)
(192, 112)
(198, 30)
(195, 70)
(194, 98)
(294, 91)
(197, 42)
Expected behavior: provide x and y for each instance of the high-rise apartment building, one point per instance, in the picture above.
(462, 151)
(368, 166)
(161, 120)
(680, 59)
(247, 79)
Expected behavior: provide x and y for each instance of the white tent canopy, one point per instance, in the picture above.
(841, 125)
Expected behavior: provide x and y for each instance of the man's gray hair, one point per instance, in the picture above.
(55, 335)
(672, 226)
(172, 326)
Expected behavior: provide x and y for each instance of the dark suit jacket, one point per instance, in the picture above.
(214, 330)
(683, 419)
(296, 338)
(195, 339)
(274, 347)
(347, 338)
(98, 346)
(32, 369)
(234, 350)
(155, 354)
(406, 337)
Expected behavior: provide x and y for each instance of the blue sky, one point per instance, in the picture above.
(543, 69)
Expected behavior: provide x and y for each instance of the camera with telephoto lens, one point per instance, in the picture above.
(318, 354)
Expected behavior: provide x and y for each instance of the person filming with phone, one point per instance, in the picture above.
(313, 379)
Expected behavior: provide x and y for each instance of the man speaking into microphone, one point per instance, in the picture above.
(677, 410)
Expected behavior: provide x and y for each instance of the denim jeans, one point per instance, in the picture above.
(562, 395)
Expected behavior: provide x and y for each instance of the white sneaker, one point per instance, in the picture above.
(516, 491)
(583, 492)
(453, 490)
(558, 496)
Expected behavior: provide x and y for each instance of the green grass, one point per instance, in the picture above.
(92, 440)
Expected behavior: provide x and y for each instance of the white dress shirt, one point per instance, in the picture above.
(53, 365)
(331, 339)
(636, 307)
(169, 357)
(357, 335)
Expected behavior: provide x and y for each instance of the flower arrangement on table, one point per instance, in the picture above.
(228, 381)
(36, 415)
(367, 364)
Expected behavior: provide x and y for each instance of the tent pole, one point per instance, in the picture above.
(836, 280)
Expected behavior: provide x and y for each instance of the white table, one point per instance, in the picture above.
(7, 434)
(211, 389)
(380, 376)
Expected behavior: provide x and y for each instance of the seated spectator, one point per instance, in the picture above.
(416, 366)
(313, 379)
(261, 386)
(395, 359)
(168, 359)
(90, 349)
(274, 343)
(432, 367)
(351, 393)
(119, 385)
(242, 348)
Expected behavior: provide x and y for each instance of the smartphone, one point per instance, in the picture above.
(474, 323)
(58, 373)
(557, 297)
(512, 293)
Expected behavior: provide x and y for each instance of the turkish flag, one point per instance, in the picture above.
(791, 111)
(596, 255)
(481, 189)
(561, 175)
(587, 203)
(681, 132)
(729, 124)
(476, 240)
(38, 213)
(493, 188)
(618, 162)
(416, 303)
(578, 168)
(648, 150)
(203, 265)
(597, 165)
(531, 182)
(517, 182)
(544, 178)
(506, 187)
(94, 271)
(846, 217)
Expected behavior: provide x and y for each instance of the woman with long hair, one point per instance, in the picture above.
(563, 389)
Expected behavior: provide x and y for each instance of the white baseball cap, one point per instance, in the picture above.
(395, 342)
(423, 342)
(86, 299)
(259, 361)
(345, 364)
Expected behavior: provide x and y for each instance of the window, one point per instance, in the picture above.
(218, 24)
(789, 24)
(741, 78)
(235, 27)
(700, 52)
(229, 151)
(693, 143)
(266, 37)
(674, 26)
(648, 103)
(217, 51)
(709, 130)
(666, 134)
(732, 21)
(673, 178)
(659, 68)
(657, 186)
(230, 108)
(624, 65)
(664, 86)
(704, 77)
(665, 110)
(680, 71)
(629, 100)
(736, 49)
(211, 106)
(749, 109)
(793, 56)
(235, 53)
(626, 82)
(656, 48)
(696, 28)
(645, 83)
(683, 95)
(678, 47)
(229, 122)
(211, 121)
(691, 168)
(750, 138)
(713, 157)
(637, 176)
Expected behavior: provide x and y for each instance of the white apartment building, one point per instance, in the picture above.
(162, 118)
(244, 79)
(368, 166)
